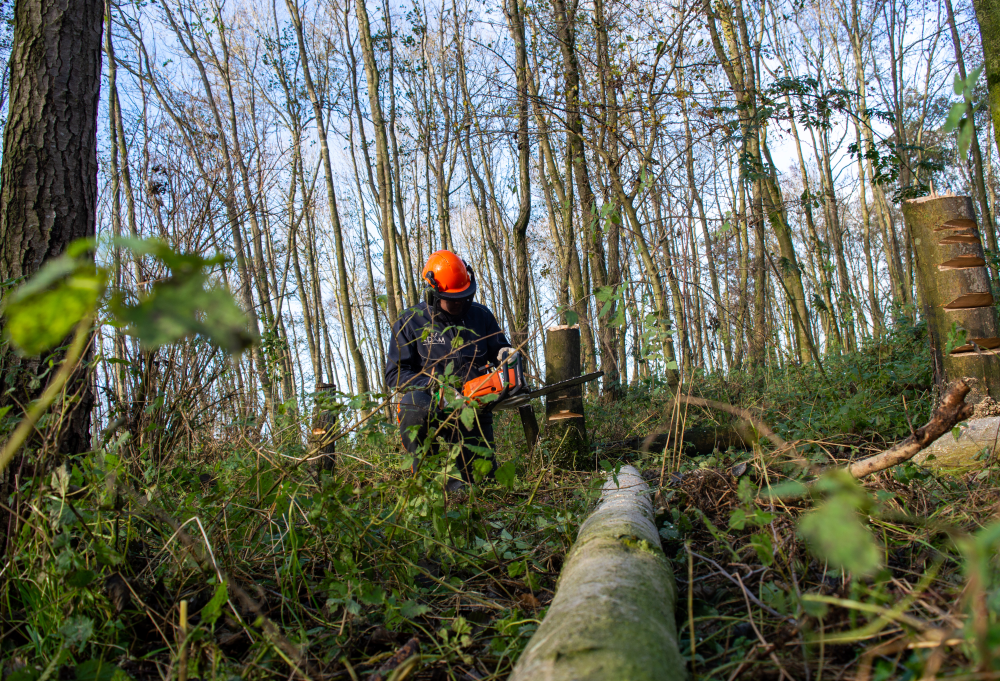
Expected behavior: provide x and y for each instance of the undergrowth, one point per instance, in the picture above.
(282, 570)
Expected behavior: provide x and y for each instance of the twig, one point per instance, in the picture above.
(737, 582)
(760, 637)
(292, 655)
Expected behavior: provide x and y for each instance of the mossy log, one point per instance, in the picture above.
(613, 612)
(565, 423)
(955, 293)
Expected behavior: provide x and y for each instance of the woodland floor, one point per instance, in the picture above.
(345, 572)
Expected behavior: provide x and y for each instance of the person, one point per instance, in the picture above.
(448, 328)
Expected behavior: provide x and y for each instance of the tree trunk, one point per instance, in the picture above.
(48, 183)
(988, 14)
(48, 179)
(613, 612)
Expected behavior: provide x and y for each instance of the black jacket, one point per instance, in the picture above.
(420, 344)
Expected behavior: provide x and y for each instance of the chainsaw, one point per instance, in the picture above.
(508, 383)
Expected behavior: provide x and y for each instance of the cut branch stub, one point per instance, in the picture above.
(955, 292)
(565, 425)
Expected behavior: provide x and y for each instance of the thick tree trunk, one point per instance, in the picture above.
(48, 180)
(613, 613)
(955, 293)
(988, 14)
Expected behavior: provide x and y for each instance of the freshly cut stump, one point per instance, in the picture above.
(613, 613)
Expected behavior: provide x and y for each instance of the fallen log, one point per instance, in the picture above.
(613, 612)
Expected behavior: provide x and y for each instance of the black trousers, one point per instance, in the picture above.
(418, 409)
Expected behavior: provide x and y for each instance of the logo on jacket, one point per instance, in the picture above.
(435, 339)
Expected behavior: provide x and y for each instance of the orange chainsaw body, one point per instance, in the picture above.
(491, 384)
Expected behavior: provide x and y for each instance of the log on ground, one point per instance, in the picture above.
(613, 612)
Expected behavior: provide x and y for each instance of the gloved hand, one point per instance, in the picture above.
(504, 353)
(446, 395)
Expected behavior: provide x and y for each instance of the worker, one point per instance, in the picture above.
(447, 329)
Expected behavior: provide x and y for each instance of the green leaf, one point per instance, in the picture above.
(213, 609)
(517, 568)
(372, 594)
(98, 670)
(185, 304)
(505, 474)
(77, 630)
(790, 489)
(572, 318)
(80, 578)
(835, 533)
(411, 609)
(468, 417)
(43, 311)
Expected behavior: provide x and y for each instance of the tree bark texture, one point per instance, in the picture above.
(49, 172)
(955, 292)
(565, 424)
(613, 613)
(988, 14)
(324, 428)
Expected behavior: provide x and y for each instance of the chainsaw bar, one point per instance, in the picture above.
(520, 400)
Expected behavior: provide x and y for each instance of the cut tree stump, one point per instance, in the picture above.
(613, 612)
(565, 423)
(976, 447)
(955, 296)
(324, 427)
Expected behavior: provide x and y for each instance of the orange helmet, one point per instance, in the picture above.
(449, 276)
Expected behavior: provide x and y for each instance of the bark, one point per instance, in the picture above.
(347, 314)
(383, 169)
(591, 230)
(515, 22)
(988, 14)
(612, 616)
(977, 152)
